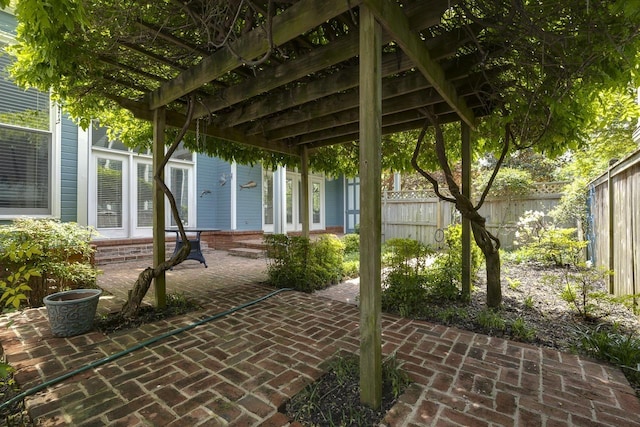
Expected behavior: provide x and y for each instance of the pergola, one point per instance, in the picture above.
(313, 73)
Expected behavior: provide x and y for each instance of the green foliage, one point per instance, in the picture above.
(333, 400)
(508, 183)
(528, 302)
(407, 256)
(350, 268)
(582, 288)
(491, 320)
(614, 347)
(418, 275)
(351, 243)
(15, 288)
(540, 241)
(521, 331)
(46, 256)
(297, 262)
(405, 294)
(449, 263)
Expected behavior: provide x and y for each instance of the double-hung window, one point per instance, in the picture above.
(26, 148)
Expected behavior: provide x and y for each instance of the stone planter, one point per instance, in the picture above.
(72, 312)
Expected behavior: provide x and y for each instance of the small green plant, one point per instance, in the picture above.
(15, 288)
(513, 283)
(615, 347)
(528, 302)
(582, 288)
(520, 330)
(491, 320)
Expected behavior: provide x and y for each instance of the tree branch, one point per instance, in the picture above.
(507, 133)
(414, 163)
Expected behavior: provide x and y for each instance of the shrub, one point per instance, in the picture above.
(583, 289)
(60, 252)
(351, 243)
(404, 294)
(540, 241)
(520, 330)
(296, 262)
(405, 289)
(446, 271)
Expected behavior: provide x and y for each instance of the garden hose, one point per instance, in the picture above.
(150, 341)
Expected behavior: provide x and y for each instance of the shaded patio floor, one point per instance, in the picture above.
(238, 370)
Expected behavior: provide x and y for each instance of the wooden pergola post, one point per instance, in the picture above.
(159, 123)
(304, 183)
(370, 209)
(466, 224)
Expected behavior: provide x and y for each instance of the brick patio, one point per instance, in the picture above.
(238, 370)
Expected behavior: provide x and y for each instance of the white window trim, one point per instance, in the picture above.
(55, 160)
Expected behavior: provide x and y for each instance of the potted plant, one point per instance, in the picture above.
(72, 312)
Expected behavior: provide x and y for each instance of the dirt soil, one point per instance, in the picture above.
(533, 293)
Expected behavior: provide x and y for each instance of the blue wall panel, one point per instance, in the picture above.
(69, 171)
(334, 202)
(213, 199)
(249, 200)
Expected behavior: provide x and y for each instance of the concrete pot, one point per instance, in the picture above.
(72, 312)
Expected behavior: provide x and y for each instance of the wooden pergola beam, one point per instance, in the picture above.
(175, 119)
(399, 94)
(393, 19)
(333, 53)
(388, 119)
(293, 21)
(347, 79)
(386, 130)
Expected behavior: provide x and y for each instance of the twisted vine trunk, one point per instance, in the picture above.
(131, 307)
(488, 243)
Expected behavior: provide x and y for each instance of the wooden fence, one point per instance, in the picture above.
(614, 202)
(421, 215)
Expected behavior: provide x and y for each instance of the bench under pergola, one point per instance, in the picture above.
(314, 73)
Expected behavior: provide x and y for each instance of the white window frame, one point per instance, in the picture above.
(131, 159)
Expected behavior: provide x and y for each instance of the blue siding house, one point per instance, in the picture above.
(49, 167)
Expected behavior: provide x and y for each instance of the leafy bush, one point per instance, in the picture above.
(351, 243)
(405, 294)
(540, 241)
(583, 289)
(296, 262)
(508, 183)
(55, 256)
(417, 275)
(446, 271)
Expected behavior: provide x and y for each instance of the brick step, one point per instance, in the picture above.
(246, 252)
(251, 244)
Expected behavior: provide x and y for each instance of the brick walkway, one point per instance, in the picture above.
(238, 370)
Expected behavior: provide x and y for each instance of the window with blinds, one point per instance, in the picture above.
(109, 193)
(25, 147)
(145, 195)
(179, 185)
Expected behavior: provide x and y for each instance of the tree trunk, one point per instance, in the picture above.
(143, 282)
(492, 260)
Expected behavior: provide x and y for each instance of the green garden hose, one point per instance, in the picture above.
(150, 341)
